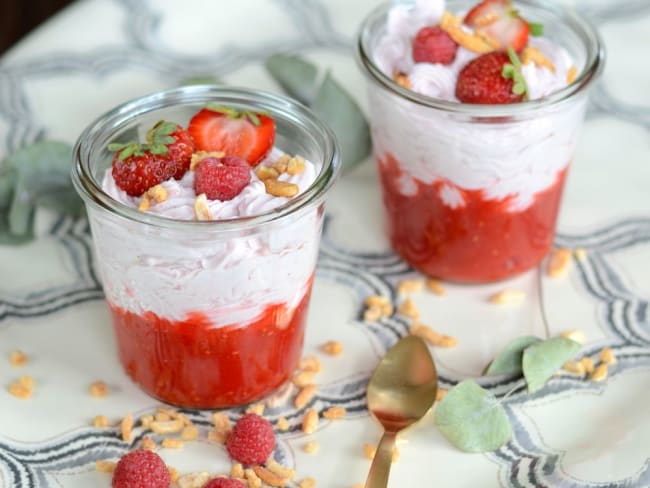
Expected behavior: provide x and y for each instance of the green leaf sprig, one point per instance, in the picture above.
(512, 71)
(233, 113)
(474, 420)
(536, 29)
(158, 138)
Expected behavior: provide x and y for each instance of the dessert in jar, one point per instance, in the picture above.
(475, 110)
(206, 206)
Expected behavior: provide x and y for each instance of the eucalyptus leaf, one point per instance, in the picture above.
(544, 358)
(338, 109)
(472, 419)
(508, 361)
(7, 180)
(21, 215)
(295, 75)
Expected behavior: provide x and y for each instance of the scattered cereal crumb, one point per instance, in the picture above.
(432, 337)
(279, 469)
(303, 378)
(558, 262)
(334, 413)
(311, 447)
(218, 436)
(440, 394)
(575, 367)
(405, 287)
(435, 286)
(100, 421)
(372, 314)
(307, 483)
(104, 466)
(148, 443)
(607, 356)
(126, 427)
(333, 348)
(193, 480)
(18, 390)
(146, 420)
(304, 396)
(17, 358)
(369, 450)
(409, 309)
(98, 389)
(237, 471)
(310, 363)
(588, 364)
(600, 373)
(171, 443)
(571, 75)
(145, 203)
(580, 253)
(283, 424)
(310, 421)
(221, 421)
(577, 335)
(402, 79)
(254, 481)
(256, 408)
(190, 433)
(508, 296)
(269, 477)
(164, 427)
(174, 475)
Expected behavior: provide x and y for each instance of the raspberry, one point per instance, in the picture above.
(252, 440)
(221, 178)
(141, 469)
(224, 483)
(433, 45)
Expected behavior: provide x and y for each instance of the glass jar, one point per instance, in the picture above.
(207, 314)
(472, 192)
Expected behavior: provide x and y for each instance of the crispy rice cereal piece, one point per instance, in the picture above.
(558, 262)
(98, 389)
(432, 337)
(334, 413)
(311, 447)
(508, 297)
(171, 443)
(174, 475)
(17, 358)
(600, 373)
(571, 75)
(253, 480)
(104, 466)
(435, 286)
(372, 314)
(333, 348)
(283, 424)
(402, 79)
(575, 367)
(100, 421)
(310, 421)
(126, 427)
(19, 390)
(369, 450)
(404, 287)
(378, 301)
(164, 427)
(221, 421)
(269, 477)
(588, 364)
(146, 420)
(607, 356)
(296, 165)
(409, 309)
(194, 480)
(218, 436)
(310, 363)
(145, 203)
(534, 55)
(580, 253)
(201, 209)
(148, 443)
(162, 416)
(190, 433)
(304, 396)
(440, 394)
(279, 469)
(279, 188)
(200, 155)
(577, 335)
(256, 408)
(307, 483)
(475, 42)
(303, 378)
(237, 471)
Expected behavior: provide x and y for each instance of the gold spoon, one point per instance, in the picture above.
(400, 392)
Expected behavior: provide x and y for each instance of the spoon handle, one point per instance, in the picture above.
(380, 468)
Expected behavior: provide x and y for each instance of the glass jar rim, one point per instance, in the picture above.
(292, 111)
(594, 64)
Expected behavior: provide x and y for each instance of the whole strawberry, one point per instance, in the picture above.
(221, 178)
(433, 45)
(484, 81)
(252, 440)
(141, 469)
(166, 154)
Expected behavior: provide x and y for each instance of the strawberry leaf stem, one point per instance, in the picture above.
(513, 72)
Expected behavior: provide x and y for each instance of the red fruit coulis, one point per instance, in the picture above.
(479, 242)
(194, 363)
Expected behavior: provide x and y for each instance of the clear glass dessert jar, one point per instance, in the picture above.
(472, 192)
(207, 314)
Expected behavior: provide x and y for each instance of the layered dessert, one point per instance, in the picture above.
(472, 192)
(215, 316)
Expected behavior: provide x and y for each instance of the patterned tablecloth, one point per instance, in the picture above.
(572, 433)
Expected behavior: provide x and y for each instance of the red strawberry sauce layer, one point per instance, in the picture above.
(480, 242)
(192, 363)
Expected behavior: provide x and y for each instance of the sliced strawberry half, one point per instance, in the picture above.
(246, 135)
(500, 20)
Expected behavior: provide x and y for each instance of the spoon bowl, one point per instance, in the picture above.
(401, 391)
